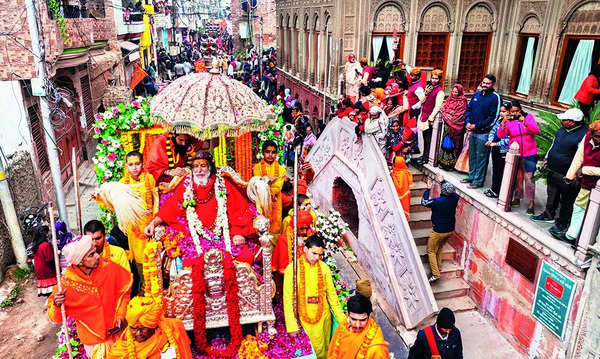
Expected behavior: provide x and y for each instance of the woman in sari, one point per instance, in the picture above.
(453, 114)
(403, 181)
(398, 142)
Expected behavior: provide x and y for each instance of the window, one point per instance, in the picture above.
(432, 50)
(474, 54)
(525, 59)
(382, 47)
(578, 56)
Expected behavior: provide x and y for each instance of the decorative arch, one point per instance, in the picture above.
(306, 23)
(316, 22)
(296, 23)
(387, 16)
(572, 22)
(530, 24)
(281, 21)
(436, 17)
(384, 245)
(287, 21)
(481, 17)
(327, 17)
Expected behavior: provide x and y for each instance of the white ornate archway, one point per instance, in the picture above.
(384, 247)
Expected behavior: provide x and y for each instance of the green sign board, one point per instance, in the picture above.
(553, 299)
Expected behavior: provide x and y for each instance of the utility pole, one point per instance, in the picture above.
(12, 222)
(40, 58)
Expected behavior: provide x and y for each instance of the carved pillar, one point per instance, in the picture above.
(435, 140)
(510, 172)
(591, 222)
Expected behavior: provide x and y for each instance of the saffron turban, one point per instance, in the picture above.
(379, 94)
(143, 311)
(437, 72)
(75, 251)
(415, 71)
(363, 287)
(304, 218)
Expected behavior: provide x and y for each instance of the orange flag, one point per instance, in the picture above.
(138, 75)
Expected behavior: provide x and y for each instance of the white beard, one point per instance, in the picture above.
(201, 180)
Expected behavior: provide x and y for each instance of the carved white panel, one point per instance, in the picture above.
(479, 19)
(388, 19)
(435, 20)
(384, 247)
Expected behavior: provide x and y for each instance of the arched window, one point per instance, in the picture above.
(526, 54)
(475, 48)
(387, 40)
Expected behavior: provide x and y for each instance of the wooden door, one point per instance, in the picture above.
(66, 131)
(432, 50)
(474, 55)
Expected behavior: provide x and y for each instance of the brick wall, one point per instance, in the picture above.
(266, 10)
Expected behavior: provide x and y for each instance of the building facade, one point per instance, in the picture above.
(540, 51)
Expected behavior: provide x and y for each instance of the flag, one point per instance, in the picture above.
(138, 75)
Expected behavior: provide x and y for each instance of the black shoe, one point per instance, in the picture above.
(490, 193)
(557, 229)
(543, 217)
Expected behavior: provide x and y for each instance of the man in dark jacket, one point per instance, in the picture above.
(442, 339)
(557, 163)
(482, 112)
(443, 212)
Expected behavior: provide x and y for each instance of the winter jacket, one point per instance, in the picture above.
(443, 211)
(523, 134)
(587, 91)
(483, 110)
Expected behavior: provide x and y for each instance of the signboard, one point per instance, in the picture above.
(553, 299)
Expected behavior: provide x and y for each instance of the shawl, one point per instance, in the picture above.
(454, 109)
(403, 181)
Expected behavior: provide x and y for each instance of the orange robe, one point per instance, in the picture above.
(158, 159)
(95, 301)
(274, 169)
(346, 344)
(403, 181)
(151, 348)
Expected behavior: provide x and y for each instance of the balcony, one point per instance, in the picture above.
(85, 32)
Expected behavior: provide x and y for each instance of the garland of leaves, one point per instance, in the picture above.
(274, 133)
(54, 7)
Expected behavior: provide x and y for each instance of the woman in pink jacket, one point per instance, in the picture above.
(521, 127)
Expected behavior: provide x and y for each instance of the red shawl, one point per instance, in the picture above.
(454, 109)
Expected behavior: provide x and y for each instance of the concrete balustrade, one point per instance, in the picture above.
(511, 166)
(436, 140)
(591, 224)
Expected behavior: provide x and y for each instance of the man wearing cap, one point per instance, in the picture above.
(441, 340)
(360, 336)
(557, 161)
(95, 292)
(443, 213)
(150, 335)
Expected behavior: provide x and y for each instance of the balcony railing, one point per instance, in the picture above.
(83, 9)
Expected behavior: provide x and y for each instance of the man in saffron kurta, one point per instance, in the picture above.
(360, 336)
(169, 155)
(316, 297)
(150, 334)
(203, 178)
(269, 167)
(95, 293)
(282, 253)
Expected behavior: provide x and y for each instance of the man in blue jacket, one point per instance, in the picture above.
(482, 112)
(441, 340)
(443, 212)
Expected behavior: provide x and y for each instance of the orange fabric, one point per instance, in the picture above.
(95, 301)
(158, 162)
(403, 181)
(151, 348)
(137, 77)
(346, 344)
(283, 247)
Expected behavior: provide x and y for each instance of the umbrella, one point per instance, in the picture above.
(207, 105)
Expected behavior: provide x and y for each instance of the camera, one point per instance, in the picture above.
(514, 117)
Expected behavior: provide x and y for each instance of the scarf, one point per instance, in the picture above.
(454, 109)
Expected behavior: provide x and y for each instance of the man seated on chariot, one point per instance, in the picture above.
(169, 155)
(211, 209)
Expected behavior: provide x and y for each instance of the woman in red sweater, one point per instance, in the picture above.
(589, 91)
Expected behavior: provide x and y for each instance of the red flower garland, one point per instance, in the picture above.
(233, 308)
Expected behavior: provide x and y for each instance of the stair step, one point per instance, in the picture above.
(457, 304)
(421, 235)
(449, 288)
(450, 269)
(418, 189)
(448, 252)
(415, 205)
(420, 220)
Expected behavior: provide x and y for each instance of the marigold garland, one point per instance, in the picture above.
(302, 299)
(152, 274)
(371, 329)
(243, 156)
(233, 309)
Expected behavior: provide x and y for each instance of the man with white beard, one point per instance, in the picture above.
(222, 212)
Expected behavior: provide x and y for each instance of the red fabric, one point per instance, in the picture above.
(344, 112)
(43, 262)
(371, 71)
(587, 91)
(238, 210)
(138, 75)
(431, 340)
(429, 104)
(158, 162)
(591, 157)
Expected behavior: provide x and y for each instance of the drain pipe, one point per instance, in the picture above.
(12, 221)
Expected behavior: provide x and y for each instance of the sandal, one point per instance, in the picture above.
(490, 193)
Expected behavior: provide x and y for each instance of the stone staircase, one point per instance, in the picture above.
(451, 290)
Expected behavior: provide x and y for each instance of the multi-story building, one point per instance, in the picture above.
(535, 48)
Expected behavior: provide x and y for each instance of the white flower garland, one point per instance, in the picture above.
(195, 224)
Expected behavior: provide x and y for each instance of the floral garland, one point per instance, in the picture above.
(302, 299)
(233, 309)
(148, 189)
(331, 227)
(362, 351)
(274, 133)
(152, 275)
(78, 350)
(195, 224)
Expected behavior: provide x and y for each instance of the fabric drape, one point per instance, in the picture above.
(527, 69)
(389, 41)
(377, 43)
(578, 71)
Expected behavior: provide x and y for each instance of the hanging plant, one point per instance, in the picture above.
(54, 7)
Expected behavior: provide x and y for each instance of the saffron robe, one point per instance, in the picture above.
(270, 171)
(95, 301)
(117, 255)
(156, 344)
(319, 333)
(349, 343)
(158, 159)
(403, 181)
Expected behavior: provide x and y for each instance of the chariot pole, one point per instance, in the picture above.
(295, 251)
(57, 266)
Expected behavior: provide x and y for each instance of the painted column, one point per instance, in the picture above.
(591, 222)
(435, 140)
(510, 172)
